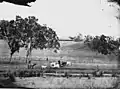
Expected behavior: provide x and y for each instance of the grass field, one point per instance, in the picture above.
(55, 82)
(76, 52)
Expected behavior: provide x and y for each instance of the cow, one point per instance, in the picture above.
(119, 48)
(54, 65)
(98, 73)
(43, 66)
(31, 65)
(66, 63)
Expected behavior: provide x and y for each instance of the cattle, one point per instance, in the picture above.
(98, 73)
(47, 59)
(107, 75)
(65, 63)
(68, 63)
(119, 48)
(59, 62)
(54, 65)
(31, 65)
(43, 66)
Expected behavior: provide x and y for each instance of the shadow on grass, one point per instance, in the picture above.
(8, 83)
(12, 63)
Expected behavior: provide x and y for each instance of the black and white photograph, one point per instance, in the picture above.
(60, 44)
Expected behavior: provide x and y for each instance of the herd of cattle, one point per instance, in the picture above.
(57, 64)
(63, 64)
(49, 71)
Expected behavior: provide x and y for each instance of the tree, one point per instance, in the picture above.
(95, 43)
(88, 38)
(35, 35)
(72, 38)
(115, 1)
(77, 38)
(28, 33)
(104, 44)
(9, 33)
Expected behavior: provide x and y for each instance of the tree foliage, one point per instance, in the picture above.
(77, 38)
(115, 1)
(19, 2)
(103, 44)
(28, 33)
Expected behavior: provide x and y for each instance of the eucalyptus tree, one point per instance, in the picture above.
(28, 33)
(115, 1)
(9, 33)
(36, 36)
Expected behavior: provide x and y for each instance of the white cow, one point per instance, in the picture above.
(54, 65)
(68, 63)
(119, 47)
(43, 66)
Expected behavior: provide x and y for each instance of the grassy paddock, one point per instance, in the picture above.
(19, 62)
(56, 82)
(75, 52)
(60, 83)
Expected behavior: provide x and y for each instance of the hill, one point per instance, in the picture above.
(74, 46)
(70, 50)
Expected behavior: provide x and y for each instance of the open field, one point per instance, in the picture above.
(75, 52)
(68, 51)
(82, 58)
(60, 82)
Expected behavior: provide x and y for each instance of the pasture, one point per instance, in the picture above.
(77, 53)
(67, 83)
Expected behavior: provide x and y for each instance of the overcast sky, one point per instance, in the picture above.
(69, 17)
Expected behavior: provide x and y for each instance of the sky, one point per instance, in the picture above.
(69, 17)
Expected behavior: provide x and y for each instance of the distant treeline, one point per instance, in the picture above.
(103, 44)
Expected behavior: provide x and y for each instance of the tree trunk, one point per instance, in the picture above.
(29, 50)
(10, 58)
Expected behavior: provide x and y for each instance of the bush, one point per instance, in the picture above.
(103, 44)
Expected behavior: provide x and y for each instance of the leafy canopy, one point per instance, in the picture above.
(21, 31)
